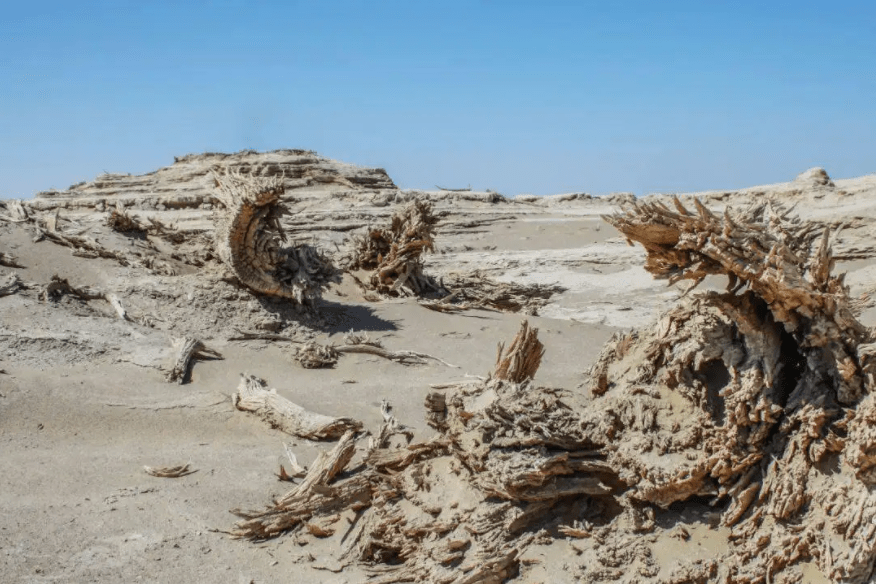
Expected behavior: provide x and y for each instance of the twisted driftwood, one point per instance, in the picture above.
(248, 236)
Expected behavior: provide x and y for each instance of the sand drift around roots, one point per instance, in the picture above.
(757, 399)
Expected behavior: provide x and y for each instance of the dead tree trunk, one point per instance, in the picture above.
(248, 236)
(286, 416)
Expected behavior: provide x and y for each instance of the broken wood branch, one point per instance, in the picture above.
(9, 260)
(280, 413)
(523, 358)
(188, 349)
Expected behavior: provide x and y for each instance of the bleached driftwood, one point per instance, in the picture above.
(188, 349)
(312, 355)
(16, 212)
(10, 284)
(521, 360)
(280, 413)
(117, 306)
(58, 287)
(248, 237)
(295, 469)
(82, 246)
(297, 507)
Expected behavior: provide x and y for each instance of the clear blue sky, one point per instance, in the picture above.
(539, 97)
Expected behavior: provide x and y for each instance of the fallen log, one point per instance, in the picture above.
(10, 284)
(280, 413)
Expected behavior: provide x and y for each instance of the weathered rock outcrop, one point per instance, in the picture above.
(188, 183)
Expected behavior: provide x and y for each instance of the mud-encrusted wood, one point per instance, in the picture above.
(248, 236)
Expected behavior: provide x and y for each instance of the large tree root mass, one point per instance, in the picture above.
(758, 401)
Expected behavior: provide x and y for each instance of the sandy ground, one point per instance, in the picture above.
(84, 404)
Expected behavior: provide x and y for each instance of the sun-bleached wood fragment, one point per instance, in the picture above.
(522, 358)
(252, 396)
(188, 349)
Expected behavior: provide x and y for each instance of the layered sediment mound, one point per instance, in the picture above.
(188, 182)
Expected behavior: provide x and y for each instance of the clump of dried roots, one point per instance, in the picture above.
(394, 254)
(480, 292)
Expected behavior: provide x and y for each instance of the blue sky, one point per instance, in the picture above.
(520, 97)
